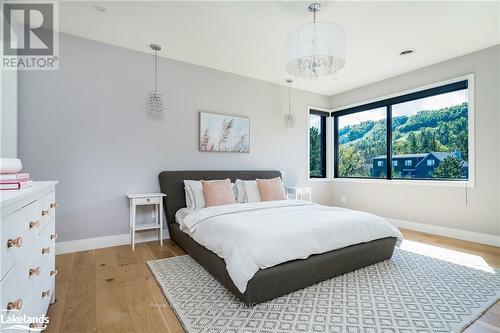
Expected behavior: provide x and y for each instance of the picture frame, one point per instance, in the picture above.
(223, 133)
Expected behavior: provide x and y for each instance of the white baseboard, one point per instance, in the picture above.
(447, 232)
(106, 241)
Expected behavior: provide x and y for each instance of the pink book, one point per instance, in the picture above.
(15, 185)
(14, 176)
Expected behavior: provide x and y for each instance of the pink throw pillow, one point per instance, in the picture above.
(218, 192)
(271, 189)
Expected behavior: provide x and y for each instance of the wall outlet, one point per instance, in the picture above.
(344, 199)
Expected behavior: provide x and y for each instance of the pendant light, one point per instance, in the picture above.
(156, 102)
(315, 49)
(289, 117)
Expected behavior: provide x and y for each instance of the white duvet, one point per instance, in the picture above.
(259, 235)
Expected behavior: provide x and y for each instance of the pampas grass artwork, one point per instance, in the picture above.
(222, 133)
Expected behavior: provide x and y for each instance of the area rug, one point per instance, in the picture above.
(408, 293)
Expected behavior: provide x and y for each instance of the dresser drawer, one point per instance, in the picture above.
(12, 246)
(14, 316)
(50, 200)
(147, 201)
(45, 246)
(33, 308)
(45, 290)
(17, 284)
(44, 212)
(30, 223)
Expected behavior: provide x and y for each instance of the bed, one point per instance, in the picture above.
(275, 281)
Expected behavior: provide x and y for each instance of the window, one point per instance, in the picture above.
(430, 125)
(317, 144)
(361, 138)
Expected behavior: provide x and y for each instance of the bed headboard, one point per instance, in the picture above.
(172, 184)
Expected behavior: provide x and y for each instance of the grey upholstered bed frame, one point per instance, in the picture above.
(278, 280)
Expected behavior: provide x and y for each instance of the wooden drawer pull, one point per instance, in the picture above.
(17, 242)
(54, 236)
(54, 205)
(34, 271)
(45, 212)
(34, 224)
(16, 305)
(45, 293)
(54, 272)
(46, 250)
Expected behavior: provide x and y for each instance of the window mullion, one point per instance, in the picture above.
(336, 147)
(389, 141)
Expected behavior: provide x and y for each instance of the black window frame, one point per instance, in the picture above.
(388, 103)
(324, 116)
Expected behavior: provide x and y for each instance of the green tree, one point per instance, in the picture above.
(315, 156)
(449, 168)
(411, 143)
(351, 163)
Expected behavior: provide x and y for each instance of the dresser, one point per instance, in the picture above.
(27, 251)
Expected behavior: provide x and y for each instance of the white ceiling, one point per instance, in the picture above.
(247, 38)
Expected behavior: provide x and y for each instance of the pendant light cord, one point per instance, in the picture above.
(156, 70)
(289, 99)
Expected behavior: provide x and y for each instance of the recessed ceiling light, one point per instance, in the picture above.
(99, 8)
(406, 52)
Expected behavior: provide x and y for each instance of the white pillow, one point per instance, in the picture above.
(251, 191)
(194, 190)
(194, 194)
(239, 187)
(189, 201)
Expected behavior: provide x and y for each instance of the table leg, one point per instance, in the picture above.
(133, 226)
(161, 222)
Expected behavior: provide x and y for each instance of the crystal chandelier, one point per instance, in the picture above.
(156, 100)
(315, 49)
(289, 117)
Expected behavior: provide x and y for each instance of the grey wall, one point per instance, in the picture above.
(442, 206)
(86, 125)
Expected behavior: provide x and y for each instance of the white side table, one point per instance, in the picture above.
(140, 199)
(299, 193)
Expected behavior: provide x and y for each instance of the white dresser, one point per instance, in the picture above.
(27, 273)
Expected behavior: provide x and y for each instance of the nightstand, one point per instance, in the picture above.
(141, 199)
(300, 193)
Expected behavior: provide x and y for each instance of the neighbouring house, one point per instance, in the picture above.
(420, 165)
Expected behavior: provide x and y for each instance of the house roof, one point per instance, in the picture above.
(438, 155)
(441, 156)
(403, 156)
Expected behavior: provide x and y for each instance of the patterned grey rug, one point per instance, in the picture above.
(408, 293)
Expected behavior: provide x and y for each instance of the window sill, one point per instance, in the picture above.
(315, 180)
(410, 182)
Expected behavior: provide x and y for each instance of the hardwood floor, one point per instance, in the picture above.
(112, 289)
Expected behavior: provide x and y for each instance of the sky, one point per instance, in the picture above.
(408, 108)
(315, 121)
